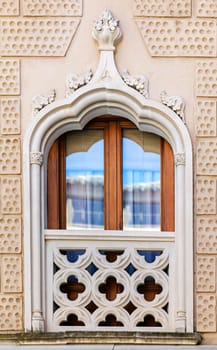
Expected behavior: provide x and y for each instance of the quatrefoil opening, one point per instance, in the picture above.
(149, 255)
(73, 321)
(72, 288)
(111, 288)
(149, 321)
(72, 254)
(149, 288)
(111, 255)
(111, 321)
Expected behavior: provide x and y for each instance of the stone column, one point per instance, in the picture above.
(36, 160)
(180, 242)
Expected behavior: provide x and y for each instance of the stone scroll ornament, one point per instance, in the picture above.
(176, 103)
(41, 101)
(138, 82)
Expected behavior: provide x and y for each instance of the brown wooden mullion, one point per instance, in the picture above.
(113, 188)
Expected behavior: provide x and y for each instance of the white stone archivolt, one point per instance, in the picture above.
(106, 93)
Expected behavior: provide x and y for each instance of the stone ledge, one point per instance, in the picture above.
(128, 338)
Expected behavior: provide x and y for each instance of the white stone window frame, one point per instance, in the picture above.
(105, 94)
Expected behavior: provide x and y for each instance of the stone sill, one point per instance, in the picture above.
(128, 338)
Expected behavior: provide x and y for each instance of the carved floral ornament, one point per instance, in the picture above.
(107, 33)
(176, 103)
(75, 81)
(41, 101)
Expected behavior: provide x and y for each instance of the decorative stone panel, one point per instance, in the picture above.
(206, 8)
(11, 274)
(9, 7)
(9, 155)
(10, 115)
(10, 191)
(80, 289)
(161, 8)
(206, 195)
(52, 7)
(169, 37)
(10, 312)
(206, 274)
(206, 312)
(206, 116)
(37, 36)
(10, 234)
(206, 78)
(206, 230)
(9, 75)
(207, 157)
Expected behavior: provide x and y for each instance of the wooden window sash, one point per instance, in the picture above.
(56, 185)
(113, 178)
(167, 188)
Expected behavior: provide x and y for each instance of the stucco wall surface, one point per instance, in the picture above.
(172, 42)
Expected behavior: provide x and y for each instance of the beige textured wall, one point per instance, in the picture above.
(174, 43)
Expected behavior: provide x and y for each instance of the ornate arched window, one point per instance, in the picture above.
(108, 208)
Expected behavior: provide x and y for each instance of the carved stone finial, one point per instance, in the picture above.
(75, 81)
(138, 82)
(106, 31)
(179, 159)
(40, 101)
(176, 103)
(36, 158)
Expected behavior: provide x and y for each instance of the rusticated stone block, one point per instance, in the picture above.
(206, 78)
(206, 116)
(207, 157)
(206, 274)
(206, 8)
(10, 312)
(206, 312)
(52, 7)
(161, 8)
(9, 155)
(206, 231)
(37, 36)
(11, 274)
(10, 234)
(10, 115)
(9, 75)
(169, 37)
(9, 7)
(10, 191)
(206, 195)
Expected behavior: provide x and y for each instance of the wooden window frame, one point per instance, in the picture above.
(113, 214)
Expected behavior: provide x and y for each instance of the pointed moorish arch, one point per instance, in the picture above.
(106, 93)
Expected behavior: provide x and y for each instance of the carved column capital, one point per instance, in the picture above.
(36, 158)
(179, 159)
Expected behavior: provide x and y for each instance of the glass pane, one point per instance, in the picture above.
(85, 179)
(141, 180)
